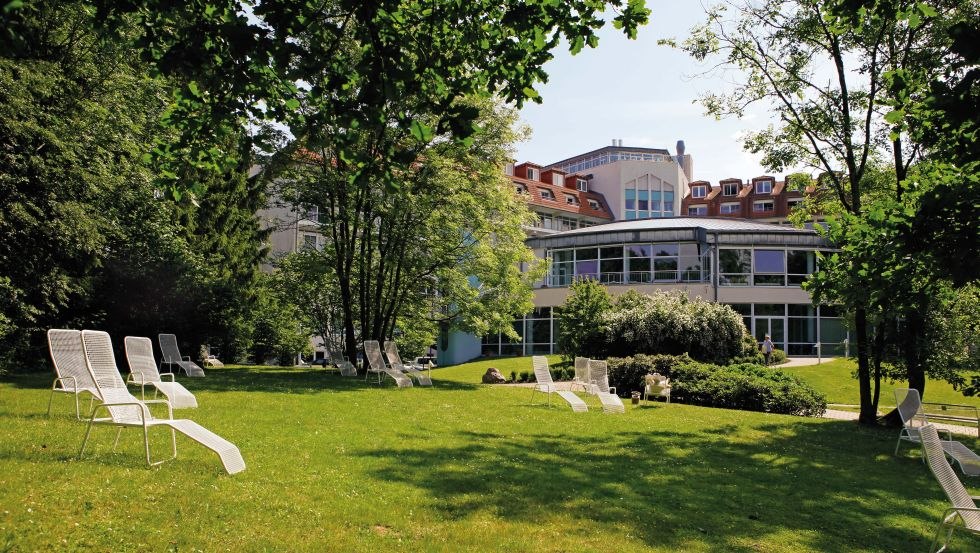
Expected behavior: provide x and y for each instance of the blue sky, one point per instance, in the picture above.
(642, 93)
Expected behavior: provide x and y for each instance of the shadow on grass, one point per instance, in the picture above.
(832, 485)
(264, 379)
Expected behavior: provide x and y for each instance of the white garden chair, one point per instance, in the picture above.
(599, 375)
(69, 365)
(143, 372)
(582, 374)
(656, 385)
(422, 374)
(123, 410)
(913, 419)
(170, 356)
(545, 384)
(963, 513)
(346, 367)
(377, 365)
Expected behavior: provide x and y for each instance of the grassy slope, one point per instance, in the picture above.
(834, 379)
(335, 464)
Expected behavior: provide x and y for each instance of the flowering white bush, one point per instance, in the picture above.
(671, 323)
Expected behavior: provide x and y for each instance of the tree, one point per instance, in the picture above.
(445, 246)
(836, 85)
(581, 319)
(241, 61)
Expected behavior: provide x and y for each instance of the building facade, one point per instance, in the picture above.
(762, 199)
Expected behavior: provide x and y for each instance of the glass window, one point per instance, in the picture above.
(547, 194)
(611, 270)
(639, 262)
(769, 261)
(609, 252)
(582, 184)
(802, 310)
(763, 206)
(770, 309)
(630, 215)
(735, 266)
(643, 202)
(799, 264)
(665, 268)
(630, 198)
(763, 187)
(698, 191)
(731, 188)
(697, 210)
(730, 208)
(586, 264)
(309, 242)
(770, 266)
(661, 250)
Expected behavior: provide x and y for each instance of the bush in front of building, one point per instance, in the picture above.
(670, 323)
(744, 386)
(580, 320)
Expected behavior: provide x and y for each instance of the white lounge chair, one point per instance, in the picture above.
(913, 419)
(123, 410)
(656, 385)
(69, 366)
(599, 374)
(545, 384)
(143, 372)
(421, 374)
(582, 374)
(170, 356)
(964, 513)
(377, 365)
(346, 367)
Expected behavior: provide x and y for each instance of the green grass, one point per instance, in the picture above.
(835, 380)
(335, 464)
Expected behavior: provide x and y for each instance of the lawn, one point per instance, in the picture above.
(336, 464)
(834, 379)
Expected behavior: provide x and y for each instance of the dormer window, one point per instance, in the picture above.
(571, 200)
(582, 185)
(594, 205)
(520, 188)
(531, 174)
(763, 187)
(699, 191)
(731, 188)
(547, 194)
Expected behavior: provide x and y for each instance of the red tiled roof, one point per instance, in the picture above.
(533, 196)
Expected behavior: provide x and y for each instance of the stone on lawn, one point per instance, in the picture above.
(493, 376)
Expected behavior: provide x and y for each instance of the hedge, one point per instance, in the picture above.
(745, 386)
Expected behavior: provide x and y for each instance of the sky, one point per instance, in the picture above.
(641, 93)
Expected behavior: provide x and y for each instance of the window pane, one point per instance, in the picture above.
(611, 252)
(665, 249)
(802, 310)
(586, 253)
(735, 261)
(586, 268)
(665, 268)
(769, 261)
(771, 309)
(637, 250)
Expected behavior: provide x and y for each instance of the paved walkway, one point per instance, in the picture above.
(852, 416)
(804, 361)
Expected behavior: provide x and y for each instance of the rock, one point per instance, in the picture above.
(493, 376)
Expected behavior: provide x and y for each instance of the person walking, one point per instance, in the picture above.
(767, 348)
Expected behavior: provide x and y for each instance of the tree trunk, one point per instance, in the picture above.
(869, 412)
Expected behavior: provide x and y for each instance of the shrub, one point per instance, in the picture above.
(525, 376)
(742, 386)
(580, 319)
(673, 324)
(513, 376)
